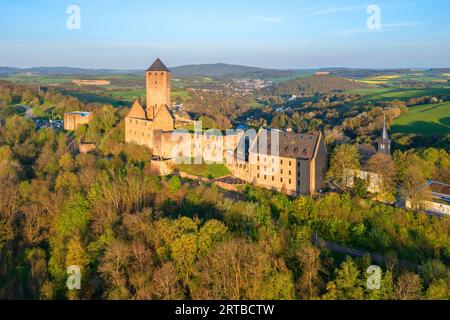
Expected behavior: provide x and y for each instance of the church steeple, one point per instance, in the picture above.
(384, 144)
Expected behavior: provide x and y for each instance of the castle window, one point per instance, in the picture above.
(281, 180)
(290, 163)
(281, 171)
(265, 177)
(290, 172)
(281, 161)
(290, 181)
(258, 175)
(273, 178)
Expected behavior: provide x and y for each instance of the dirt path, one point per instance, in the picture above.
(380, 259)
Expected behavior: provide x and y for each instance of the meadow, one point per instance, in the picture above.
(120, 97)
(389, 94)
(424, 119)
(210, 171)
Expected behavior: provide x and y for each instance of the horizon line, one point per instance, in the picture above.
(230, 64)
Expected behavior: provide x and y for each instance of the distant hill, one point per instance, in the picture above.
(57, 71)
(222, 70)
(218, 70)
(314, 84)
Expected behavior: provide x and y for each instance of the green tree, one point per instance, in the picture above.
(345, 157)
(438, 290)
(347, 284)
(184, 254)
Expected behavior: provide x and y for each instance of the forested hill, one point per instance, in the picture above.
(223, 70)
(218, 71)
(54, 71)
(314, 84)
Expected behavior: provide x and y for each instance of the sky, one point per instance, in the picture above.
(130, 34)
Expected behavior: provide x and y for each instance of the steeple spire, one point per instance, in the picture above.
(384, 135)
(384, 144)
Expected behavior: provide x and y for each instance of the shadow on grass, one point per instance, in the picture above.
(424, 127)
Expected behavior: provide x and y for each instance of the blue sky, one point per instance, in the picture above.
(268, 33)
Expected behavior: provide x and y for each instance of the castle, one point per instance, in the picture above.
(297, 165)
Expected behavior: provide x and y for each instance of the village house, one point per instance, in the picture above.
(72, 120)
(440, 199)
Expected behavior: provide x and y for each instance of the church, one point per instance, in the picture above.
(298, 166)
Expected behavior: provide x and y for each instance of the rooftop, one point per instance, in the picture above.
(291, 145)
(158, 65)
(439, 188)
(81, 113)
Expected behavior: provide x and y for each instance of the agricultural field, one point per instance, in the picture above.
(379, 79)
(425, 119)
(38, 79)
(425, 76)
(120, 97)
(387, 94)
(116, 89)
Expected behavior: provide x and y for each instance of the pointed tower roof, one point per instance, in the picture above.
(158, 65)
(384, 134)
(137, 111)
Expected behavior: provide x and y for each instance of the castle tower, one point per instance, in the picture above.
(384, 144)
(158, 78)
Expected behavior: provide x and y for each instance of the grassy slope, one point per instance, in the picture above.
(204, 170)
(425, 119)
(386, 94)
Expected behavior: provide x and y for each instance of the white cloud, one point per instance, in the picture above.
(331, 10)
(384, 27)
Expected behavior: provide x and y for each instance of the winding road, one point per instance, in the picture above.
(28, 111)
